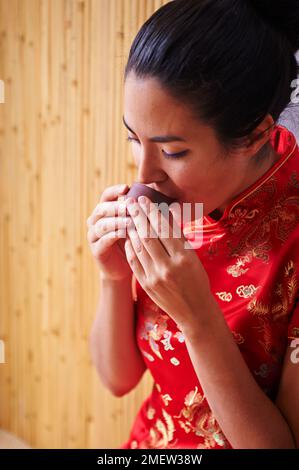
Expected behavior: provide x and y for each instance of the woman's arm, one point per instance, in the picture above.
(247, 417)
(113, 343)
(288, 393)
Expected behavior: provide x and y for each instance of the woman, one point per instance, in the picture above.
(205, 83)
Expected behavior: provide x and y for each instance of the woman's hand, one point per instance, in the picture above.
(107, 233)
(172, 275)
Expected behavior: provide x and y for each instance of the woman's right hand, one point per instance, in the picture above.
(107, 230)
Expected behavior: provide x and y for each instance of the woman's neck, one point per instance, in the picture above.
(258, 170)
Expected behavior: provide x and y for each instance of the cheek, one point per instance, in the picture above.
(188, 177)
(200, 182)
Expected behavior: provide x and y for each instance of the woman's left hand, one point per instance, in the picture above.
(171, 275)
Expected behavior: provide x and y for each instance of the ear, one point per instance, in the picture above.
(259, 136)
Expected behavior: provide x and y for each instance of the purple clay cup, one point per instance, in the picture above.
(139, 189)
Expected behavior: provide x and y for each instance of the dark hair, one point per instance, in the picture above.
(231, 61)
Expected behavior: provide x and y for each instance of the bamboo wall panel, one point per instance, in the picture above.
(61, 143)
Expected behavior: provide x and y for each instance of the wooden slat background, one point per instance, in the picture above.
(61, 143)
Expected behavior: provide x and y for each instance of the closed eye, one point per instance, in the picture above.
(167, 155)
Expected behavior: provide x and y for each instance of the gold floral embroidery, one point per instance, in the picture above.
(158, 329)
(292, 283)
(195, 417)
(264, 370)
(174, 361)
(295, 333)
(277, 223)
(241, 217)
(192, 401)
(153, 330)
(238, 337)
(280, 308)
(285, 291)
(179, 335)
(167, 335)
(147, 355)
(265, 328)
(208, 428)
(237, 270)
(257, 308)
(191, 397)
(247, 291)
(166, 398)
(150, 412)
(186, 426)
(204, 424)
(154, 347)
(160, 434)
(170, 425)
(289, 268)
(225, 296)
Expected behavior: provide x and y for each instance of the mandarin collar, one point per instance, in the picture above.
(259, 196)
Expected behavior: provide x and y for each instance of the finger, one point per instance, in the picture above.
(112, 192)
(149, 237)
(165, 226)
(110, 224)
(134, 262)
(100, 247)
(142, 254)
(107, 209)
(91, 235)
(106, 225)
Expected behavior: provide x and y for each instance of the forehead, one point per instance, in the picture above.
(149, 109)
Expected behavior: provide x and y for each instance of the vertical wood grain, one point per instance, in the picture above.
(61, 144)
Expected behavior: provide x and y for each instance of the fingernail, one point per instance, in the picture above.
(142, 199)
(123, 187)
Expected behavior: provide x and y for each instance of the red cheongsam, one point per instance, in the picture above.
(251, 256)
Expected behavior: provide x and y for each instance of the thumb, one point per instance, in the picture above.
(123, 189)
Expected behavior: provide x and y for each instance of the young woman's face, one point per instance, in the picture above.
(191, 168)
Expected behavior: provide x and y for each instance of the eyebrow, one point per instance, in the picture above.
(159, 138)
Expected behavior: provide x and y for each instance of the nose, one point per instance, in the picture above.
(149, 167)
